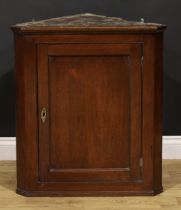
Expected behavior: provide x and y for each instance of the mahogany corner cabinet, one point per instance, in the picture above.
(88, 106)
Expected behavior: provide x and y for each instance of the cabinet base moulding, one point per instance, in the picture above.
(89, 193)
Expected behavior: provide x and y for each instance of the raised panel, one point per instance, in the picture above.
(88, 129)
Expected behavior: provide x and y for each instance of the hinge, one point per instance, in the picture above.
(141, 161)
(142, 60)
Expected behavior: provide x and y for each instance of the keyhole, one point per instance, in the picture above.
(43, 115)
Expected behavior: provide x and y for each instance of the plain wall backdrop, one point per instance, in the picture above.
(161, 11)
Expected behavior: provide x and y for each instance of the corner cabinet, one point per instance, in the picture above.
(88, 106)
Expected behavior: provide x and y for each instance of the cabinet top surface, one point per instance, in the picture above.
(88, 22)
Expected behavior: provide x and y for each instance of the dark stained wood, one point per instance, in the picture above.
(103, 97)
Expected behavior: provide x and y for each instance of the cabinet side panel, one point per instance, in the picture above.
(148, 110)
(152, 112)
(158, 117)
(26, 126)
(20, 111)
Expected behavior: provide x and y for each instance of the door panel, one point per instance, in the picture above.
(92, 96)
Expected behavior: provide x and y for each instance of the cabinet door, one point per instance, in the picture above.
(89, 99)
